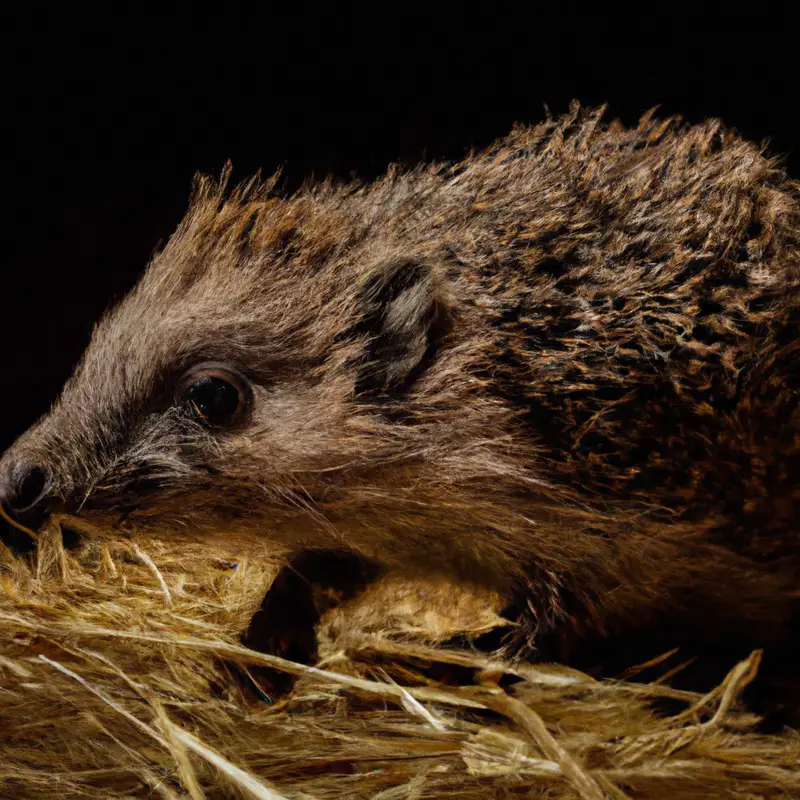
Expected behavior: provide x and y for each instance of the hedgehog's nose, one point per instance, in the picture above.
(24, 493)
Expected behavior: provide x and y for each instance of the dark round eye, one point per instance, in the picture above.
(215, 395)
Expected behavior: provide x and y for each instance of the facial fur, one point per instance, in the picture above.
(567, 364)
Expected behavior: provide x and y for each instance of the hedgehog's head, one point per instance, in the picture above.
(252, 370)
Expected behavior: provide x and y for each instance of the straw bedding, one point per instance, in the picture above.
(122, 675)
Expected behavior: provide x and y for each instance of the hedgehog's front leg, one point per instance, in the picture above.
(285, 624)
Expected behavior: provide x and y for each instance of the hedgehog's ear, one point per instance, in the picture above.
(404, 314)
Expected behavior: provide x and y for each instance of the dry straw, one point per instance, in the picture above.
(122, 676)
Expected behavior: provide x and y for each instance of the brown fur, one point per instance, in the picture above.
(566, 368)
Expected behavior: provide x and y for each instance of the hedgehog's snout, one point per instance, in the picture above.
(25, 492)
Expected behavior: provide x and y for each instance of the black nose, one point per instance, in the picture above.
(24, 493)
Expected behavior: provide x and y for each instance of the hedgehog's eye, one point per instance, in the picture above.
(215, 395)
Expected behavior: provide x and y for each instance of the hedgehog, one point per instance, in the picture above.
(565, 369)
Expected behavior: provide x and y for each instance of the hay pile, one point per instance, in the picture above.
(121, 676)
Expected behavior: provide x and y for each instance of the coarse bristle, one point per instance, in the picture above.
(122, 676)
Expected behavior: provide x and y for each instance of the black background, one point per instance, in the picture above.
(111, 113)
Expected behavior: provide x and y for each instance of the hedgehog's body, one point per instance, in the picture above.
(567, 368)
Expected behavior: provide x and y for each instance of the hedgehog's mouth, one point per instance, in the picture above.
(15, 539)
(23, 542)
